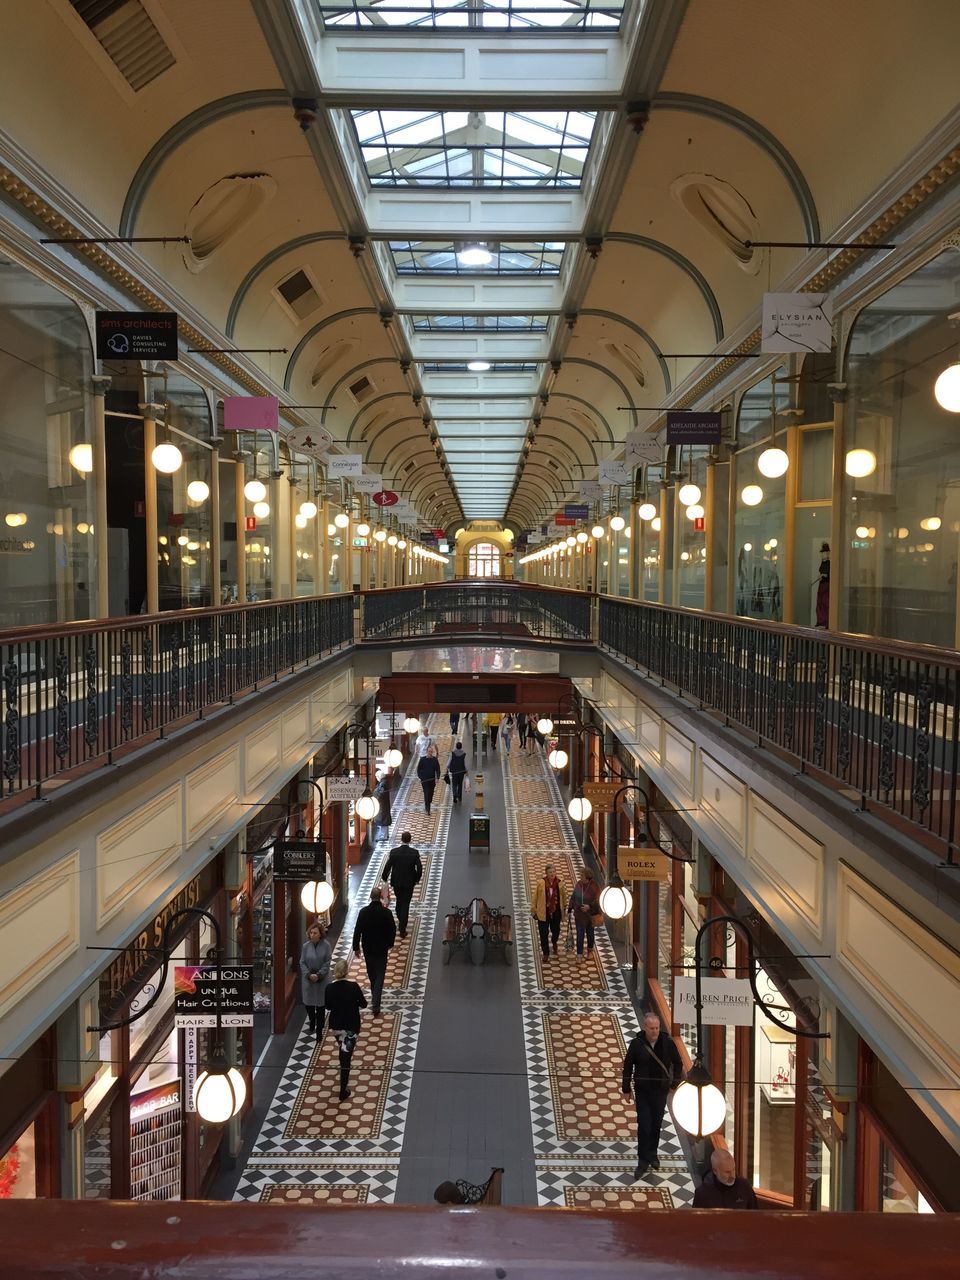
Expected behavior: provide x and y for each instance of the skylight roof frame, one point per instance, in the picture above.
(417, 252)
(391, 141)
(480, 322)
(486, 17)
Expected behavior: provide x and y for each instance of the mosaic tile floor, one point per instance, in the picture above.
(578, 1019)
(313, 1149)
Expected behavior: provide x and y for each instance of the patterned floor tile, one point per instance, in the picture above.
(527, 792)
(423, 827)
(538, 830)
(295, 1194)
(587, 1197)
(318, 1112)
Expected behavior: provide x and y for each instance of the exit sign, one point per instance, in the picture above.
(250, 524)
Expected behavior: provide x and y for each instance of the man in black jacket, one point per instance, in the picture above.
(721, 1188)
(375, 935)
(403, 870)
(653, 1067)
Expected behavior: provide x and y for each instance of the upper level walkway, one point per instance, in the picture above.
(876, 719)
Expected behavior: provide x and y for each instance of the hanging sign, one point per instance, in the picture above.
(312, 440)
(796, 322)
(566, 521)
(726, 1002)
(386, 498)
(189, 1067)
(614, 472)
(343, 789)
(642, 449)
(197, 995)
(578, 510)
(369, 482)
(251, 413)
(299, 861)
(534, 539)
(693, 428)
(642, 864)
(137, 335)
(344, 466)
(601, 794)
(590, 491)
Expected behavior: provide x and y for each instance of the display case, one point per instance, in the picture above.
(776, 1063)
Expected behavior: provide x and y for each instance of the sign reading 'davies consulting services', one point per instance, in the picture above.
(137, 335)
(726, 1001)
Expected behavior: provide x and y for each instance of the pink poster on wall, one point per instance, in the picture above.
(251, 413)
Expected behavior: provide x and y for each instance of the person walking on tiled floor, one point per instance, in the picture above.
(315, 957)
(457, 769)
(404, 871)
(585, 905)
(652, 1067)
(344, 999)
(374, 935)
(548, 902)
(428, 771)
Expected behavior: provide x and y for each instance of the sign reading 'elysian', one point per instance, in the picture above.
(796, 322)
(693, 428)
(727, 1002)
(137, 335)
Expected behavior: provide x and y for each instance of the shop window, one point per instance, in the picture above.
(901, 482)
(47, 535)
(484, 560)
(258, 544)
(899, 1192)
(691, 528)
(183, 500)
(18, 1168)
(760, 503)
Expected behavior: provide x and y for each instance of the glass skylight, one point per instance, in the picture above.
(495, 15)
(507, 258)
(474, 148)
(498, 366)
(432, 323)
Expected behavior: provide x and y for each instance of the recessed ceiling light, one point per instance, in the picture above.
(478, 366)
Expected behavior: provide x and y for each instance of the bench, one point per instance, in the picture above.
(476, 927)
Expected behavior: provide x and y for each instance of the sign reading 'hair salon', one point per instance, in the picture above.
(198, 996)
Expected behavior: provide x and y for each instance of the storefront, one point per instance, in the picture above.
(141, 1140)
(29, 1125)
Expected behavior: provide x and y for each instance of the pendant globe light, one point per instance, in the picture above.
(617, 523)
(166, 457)
(860, 463)
(368, 806)
(946, 389)
(698, 1105)
(616, 900)
(751, 495)
(689, 494)
(411, 724)
(317, 897)
(308, 509)
(255, 490)
(580, 809)
(81, 458)
(773, 463)
(557, 758)
(220, 1091)
(544, 725)
(198, 491)
(646, 511)
(597, 531)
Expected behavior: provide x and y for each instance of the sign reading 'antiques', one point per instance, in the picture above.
(642, 864)
(198, 995)
(299, 860)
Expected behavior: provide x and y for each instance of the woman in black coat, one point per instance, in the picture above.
(344, 1000)
(428, 771)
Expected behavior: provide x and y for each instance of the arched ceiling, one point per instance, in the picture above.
(604, 269)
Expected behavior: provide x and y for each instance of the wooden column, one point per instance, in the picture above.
(239, 475)
(101, 386)
(150, 414)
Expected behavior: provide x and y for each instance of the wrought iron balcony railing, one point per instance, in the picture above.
(75, 694)
(877, 717)
(492, 609)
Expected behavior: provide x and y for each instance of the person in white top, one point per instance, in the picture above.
(424, 743)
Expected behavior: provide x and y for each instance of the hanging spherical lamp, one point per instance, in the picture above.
(688, 494)
(616, 901)
(860, 462)
(341, 520)
(254, 491)
(198, 491)
(167, 458)
(646, 511)
(544, 725)
(696, 512)
(363, 530)
(947, 388)
(557, 758)
(368, 806)
(261, 510)
(617, 523)
(81, 458)
(411, 724)
(583, 537)
(751, 495)
(597, 531)
(580, 809)
(317, 897)
(698, 1105)
(308, 509)
(219, 1093)
(393, 757)
(773, 463)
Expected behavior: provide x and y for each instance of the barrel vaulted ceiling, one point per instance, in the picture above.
(554, 192)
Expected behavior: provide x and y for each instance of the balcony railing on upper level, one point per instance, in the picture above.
(877, 717)
(75, 694)
(485, 609)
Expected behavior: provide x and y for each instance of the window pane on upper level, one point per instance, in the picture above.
(424, 323)
(506, 258)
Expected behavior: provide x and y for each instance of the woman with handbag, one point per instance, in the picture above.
(585, 905)
(344, 1000)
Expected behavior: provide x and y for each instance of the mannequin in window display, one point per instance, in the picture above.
(823, 589)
